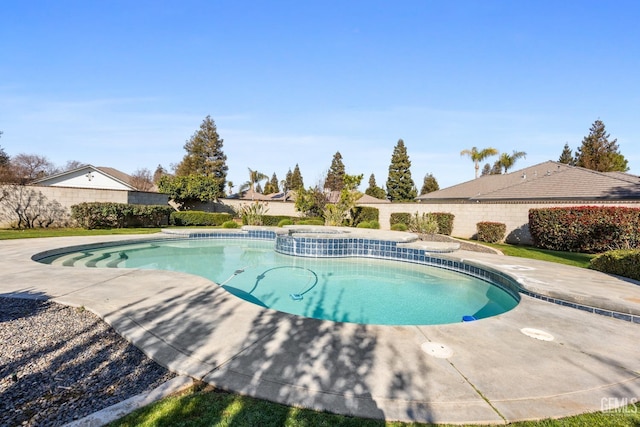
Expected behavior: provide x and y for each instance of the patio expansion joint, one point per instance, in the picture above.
(466, 379)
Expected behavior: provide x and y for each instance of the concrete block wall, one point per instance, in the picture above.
(68, 197)
(514, 215)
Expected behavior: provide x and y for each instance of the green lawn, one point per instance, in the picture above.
(200, 407)
(205, 406)
(568, 258)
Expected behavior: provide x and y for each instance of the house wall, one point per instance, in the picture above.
(86, 178)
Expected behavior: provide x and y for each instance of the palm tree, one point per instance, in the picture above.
(254, 178)
(478, 156)
(507, 161)
(230, 185)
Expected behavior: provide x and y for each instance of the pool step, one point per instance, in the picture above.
(100, 260)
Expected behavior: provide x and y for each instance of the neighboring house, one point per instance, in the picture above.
(89, 176)
(545, 182)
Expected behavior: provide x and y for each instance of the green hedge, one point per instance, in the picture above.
(588, 229)
(364, 214)
(622, 262)
(399, 227)
(119, 215)
(400, 218)
(369, 224)
(199, 218)
(491, 232)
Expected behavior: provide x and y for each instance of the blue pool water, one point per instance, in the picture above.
(357, 290)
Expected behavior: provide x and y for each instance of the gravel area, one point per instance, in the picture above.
(59, 364)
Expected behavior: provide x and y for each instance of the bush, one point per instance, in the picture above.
(274, 220)
(286, 221)
(445, 222)
(369, 224)
(399, 227)
(311, 222)
(621, 262)
(253, 214)
(399, 218)
(199, 218)
(491, 232)
(119, 215)
(588, 229)
(364, 214)
(423, 224)
(230, 224)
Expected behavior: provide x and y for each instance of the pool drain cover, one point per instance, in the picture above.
(537, 334)
(438, 350)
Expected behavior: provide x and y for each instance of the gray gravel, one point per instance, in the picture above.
(59, 364)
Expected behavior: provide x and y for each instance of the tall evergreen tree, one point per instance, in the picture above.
(159, 173)
(598, 153)
(204, 154)
(296, 179)
(566, 156)
(335, 176)
(477, 156)
(486, 170)
(400, 185)
(373, 190)
(272, 186)
(429, 184)
(288, 180)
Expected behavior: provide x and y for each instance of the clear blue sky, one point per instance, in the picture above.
(125, 83)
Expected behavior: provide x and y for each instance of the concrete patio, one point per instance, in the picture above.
(487, 371)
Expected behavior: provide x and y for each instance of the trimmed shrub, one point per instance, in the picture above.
(399, 227)
(364, 214)
(119, 215)
(199, 218)
(285, 221)
(274, 220)
(621, 262)
(445, 222)
(230, 224)
(589, 229)
(311, 222)
(369, 224)
(400, 218)
(491, 232)
(423, 224)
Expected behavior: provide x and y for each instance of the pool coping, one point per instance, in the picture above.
(368, 371)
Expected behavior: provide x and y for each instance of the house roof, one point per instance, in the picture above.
(111, 173)
(544, 181)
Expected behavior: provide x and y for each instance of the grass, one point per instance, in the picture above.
(6, 234)
(569, 258)
(205, 406)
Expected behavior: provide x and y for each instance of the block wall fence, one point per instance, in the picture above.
(514, 215)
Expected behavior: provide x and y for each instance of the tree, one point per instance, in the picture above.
(598, 153)
(230, 185)
(506, 161)
(204, 153)
(486, 170)
(296, 179)
(400, 185)
(190, 188)
(430, 184)
(310, 202)
(373, 190)
(159, 173)
(336, 214)
(254, 178)
(566, 156)
(141, 179)
(29, 167)
(335, 176)
(272, 186)
(203, 170)
(478, 156)
(72, 165)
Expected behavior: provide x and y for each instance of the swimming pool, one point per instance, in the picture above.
(356, 290)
